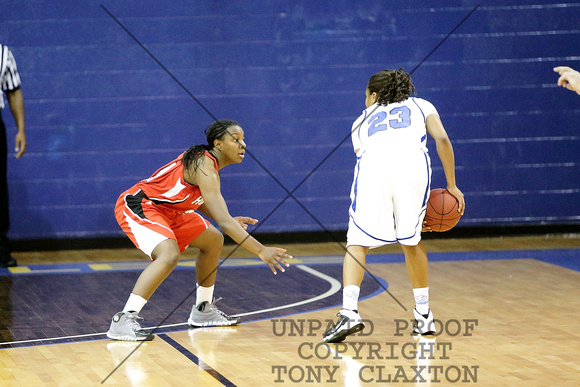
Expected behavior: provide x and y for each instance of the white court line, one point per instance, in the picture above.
(335, 286)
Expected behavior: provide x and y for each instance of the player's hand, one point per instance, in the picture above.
(425, 227)
(244, 221)
(459, 196)
(569, 78)
(20, 144)
(274, 257)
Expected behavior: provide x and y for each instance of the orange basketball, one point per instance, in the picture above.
(442, 212)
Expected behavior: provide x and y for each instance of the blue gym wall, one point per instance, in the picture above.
(101, 113)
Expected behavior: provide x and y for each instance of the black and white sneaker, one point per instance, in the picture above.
(349, 322)
(424, 324)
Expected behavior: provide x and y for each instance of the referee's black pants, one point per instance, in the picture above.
(5, 249)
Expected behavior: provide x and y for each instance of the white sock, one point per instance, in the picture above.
(421, 300)
(350, 295)
(134, 304)
(203, 294)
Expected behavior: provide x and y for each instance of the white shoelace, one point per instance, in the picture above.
(213, 307)
(133, 323)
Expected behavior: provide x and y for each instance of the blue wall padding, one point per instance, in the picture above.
(102, 114)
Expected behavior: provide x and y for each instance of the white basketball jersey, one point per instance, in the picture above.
(397, 126)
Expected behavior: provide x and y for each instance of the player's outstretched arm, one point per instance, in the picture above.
(214, 204)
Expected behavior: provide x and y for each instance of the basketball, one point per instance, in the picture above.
(442, 212)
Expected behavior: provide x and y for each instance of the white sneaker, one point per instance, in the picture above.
(349, 322)
(424, 324)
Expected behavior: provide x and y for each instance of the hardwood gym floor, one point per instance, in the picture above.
(507, 312)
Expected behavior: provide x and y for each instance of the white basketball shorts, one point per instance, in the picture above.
(388, 198)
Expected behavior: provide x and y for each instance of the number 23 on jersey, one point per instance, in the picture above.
(398, 118)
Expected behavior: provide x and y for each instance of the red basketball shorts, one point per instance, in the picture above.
(147, 225)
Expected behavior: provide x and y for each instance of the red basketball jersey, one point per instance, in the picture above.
(167, 189)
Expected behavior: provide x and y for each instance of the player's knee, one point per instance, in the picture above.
(167, 254)
(169, 259)
(216, 239)
(210, 241)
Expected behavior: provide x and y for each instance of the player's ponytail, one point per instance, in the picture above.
(391, 86)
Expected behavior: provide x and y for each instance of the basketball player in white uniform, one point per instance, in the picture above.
(390, 191)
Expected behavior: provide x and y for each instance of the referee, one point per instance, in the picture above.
(9, 84)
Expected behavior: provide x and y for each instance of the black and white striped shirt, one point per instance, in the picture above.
(9, 78)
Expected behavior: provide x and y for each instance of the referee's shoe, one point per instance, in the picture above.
(8, 261)
(349, 322)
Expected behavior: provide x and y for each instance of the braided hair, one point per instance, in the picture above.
(391, 86)
(216, 131)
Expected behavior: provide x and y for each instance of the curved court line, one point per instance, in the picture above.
(335, 286)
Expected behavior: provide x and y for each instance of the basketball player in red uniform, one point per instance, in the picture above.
(159, 214)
